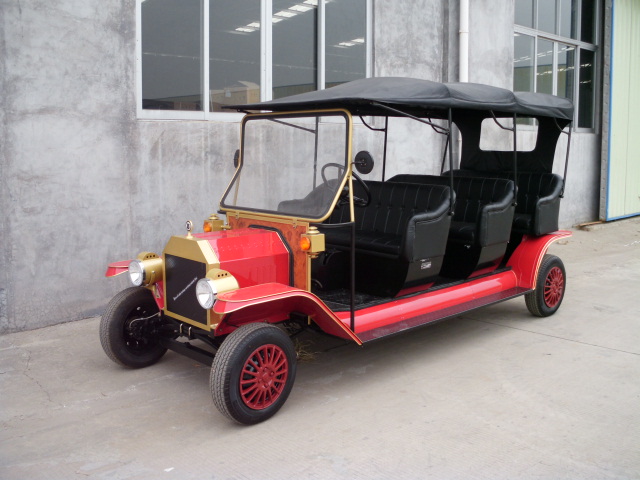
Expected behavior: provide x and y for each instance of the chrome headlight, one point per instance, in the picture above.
(146, 269)
(136, 273)
(206, 293)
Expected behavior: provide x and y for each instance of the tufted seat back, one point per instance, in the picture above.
(402, 220)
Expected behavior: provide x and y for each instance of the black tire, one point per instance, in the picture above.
(253, 372)
(126, 338)
(551, 284)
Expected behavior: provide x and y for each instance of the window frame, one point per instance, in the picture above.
(579, 46)
(266, 57)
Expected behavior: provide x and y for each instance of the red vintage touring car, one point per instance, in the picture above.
(307, 242)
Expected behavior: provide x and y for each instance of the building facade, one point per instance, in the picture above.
(113, 133)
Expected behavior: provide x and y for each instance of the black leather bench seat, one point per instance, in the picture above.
(402, 220)
(481, 225)
(400, 238)
(538, 200)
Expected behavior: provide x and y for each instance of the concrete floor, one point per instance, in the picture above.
(491, 394)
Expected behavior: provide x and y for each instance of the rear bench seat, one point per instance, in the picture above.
(481, 225)
(538, 205)
(401, 235)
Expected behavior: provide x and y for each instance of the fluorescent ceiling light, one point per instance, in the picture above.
(300, 8)
(358, 40)
(285, 14)
(346, 44)
(276, 19)
(311, 2)
(245, 29)
(254, 25)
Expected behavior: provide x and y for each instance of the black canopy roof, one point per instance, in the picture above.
(422, 98)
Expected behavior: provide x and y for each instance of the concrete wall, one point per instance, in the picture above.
(85, 183)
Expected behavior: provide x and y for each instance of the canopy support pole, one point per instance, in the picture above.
(451, 194)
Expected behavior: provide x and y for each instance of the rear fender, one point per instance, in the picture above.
(273, 302)
(527, 257)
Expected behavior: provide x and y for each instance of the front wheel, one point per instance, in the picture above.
(127, 329)
(253, 372)
(550, 287)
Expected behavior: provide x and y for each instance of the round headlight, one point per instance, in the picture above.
(136, 272)
(206, 293)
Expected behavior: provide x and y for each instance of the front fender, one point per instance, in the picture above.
(273, 301)
(527, 257)
(117, 268)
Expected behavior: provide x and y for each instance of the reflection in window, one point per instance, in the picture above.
(345, 41)
(567, 18)
(586, 89)
(547, 15)
(566, 71)
(524, 13)
(561, 31)
(171, 55)
(544, 70)
(246, 61)
(523, 63)
(295, 60)
(234, 52)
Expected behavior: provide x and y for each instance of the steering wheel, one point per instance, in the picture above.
(327, 165)
(357, 201)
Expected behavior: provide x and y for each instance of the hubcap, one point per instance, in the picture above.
(264, 376)
(553, 287)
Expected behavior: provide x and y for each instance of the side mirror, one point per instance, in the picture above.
(363, 162)
(236, 158)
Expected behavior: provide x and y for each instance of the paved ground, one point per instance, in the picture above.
(492, 394)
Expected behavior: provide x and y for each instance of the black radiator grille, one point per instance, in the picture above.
(182, 276)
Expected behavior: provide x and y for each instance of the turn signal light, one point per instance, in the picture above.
(305, 243)
(207, 227)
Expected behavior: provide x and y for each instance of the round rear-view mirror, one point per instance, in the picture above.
(363, 162)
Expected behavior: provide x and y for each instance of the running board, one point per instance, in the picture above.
(438, 315)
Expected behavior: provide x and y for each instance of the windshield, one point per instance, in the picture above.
(292, 164)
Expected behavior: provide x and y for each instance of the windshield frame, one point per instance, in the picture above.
(280, 117)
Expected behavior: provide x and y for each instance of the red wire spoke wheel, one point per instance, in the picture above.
(553, 287)
(551, 284)
(253, 372)
(264, 376)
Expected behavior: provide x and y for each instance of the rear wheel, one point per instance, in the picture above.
(127, 329)
(253, 372)
(550, 287)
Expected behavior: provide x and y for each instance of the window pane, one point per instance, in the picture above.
(171, 54)
(566, 70)
(294, 48)
(586, 89)
(345, 37)
(544, 70)
(568, 18)
(523, 63)
(524, 13)
(587, 20)
(547, 15)
(234, 50)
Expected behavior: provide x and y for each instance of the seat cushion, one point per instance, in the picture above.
(462, 232)
(374, 242)
(522, 222)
